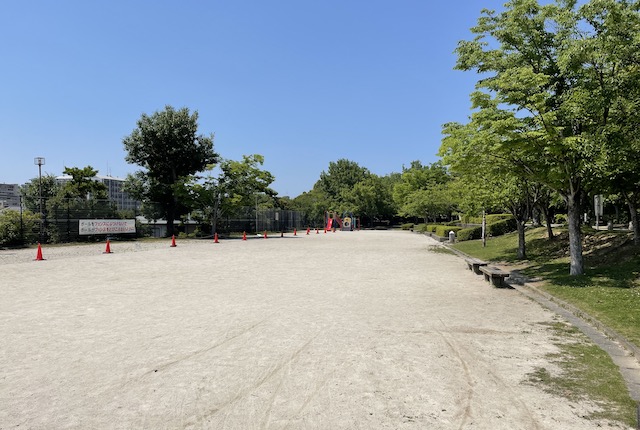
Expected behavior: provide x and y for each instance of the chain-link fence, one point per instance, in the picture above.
(258, 220)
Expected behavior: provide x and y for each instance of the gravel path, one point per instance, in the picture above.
(346, 330)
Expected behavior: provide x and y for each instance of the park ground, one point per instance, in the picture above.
(346, 330)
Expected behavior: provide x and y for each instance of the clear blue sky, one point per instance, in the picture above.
(303, 83)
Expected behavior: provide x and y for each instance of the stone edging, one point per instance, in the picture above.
(630, 375)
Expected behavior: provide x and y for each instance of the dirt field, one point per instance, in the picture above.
(353, 330)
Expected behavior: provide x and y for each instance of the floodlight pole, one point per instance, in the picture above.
(39, 161)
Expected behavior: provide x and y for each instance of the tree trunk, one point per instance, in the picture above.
(547, 218)
(576, 266)
(633, 211)
(171, 215)
(522, 246)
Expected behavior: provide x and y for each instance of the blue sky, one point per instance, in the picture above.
(303, 83)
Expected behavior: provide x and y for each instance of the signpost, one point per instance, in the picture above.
(598, 208)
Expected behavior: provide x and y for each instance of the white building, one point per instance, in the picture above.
(10, 196)
(114, 191)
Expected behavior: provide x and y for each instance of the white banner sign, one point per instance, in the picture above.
(107, 226)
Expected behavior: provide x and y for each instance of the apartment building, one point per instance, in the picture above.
(9, 196)
(115, 191)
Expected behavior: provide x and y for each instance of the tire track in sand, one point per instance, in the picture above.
(260, 382)
(466, 414)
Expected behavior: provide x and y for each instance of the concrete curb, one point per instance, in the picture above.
(624, 354)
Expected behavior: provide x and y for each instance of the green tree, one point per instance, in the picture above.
(339, 179)
(83, 184)
(423, 191)
(314, 203)
(167, 146)
(30, 192)
(234, 188)
(549, 67)
(371, 198)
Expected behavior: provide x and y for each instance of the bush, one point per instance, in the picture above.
(470, 233)
(431, 228)
(407, 226)
(10, 234)
(492, 218)
(443, 230)
(562, 219)
(502, 227)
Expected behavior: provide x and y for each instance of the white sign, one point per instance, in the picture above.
(107, 226)
(598, 204)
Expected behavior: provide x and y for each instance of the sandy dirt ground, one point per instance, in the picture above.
(346, 330)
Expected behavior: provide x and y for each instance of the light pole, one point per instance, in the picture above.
(39, 161)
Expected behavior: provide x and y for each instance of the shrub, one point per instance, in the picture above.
(407, 226)
(470, 233)
(492, 218)
(431, 228)
(502, 227)
(10, 233)
(443, 230)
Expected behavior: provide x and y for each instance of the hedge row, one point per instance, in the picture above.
(494, 229)
(493, 218)
(443, 230)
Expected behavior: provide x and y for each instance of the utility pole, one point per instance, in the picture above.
(39, 161)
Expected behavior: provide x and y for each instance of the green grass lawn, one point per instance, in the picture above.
(609, 291)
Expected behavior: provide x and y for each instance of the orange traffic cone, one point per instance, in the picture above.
(265, 234)
(308, 230)
(108, 249)
(295, 232)
(215, 238)
(39, 253)
(244, 235)
(173, 241)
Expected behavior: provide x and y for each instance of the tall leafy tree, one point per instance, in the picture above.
(548, 66)
(234, 188)
(339, 179)
(423, 191)
(167, 145)
(83, 184)
(30, 192)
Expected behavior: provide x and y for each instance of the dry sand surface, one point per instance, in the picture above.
(346, 330)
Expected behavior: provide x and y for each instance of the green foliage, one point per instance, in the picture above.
(502, 227)
(341, 177)
(470, 233)
(167, 146)
(424, 191)
(490, 218)
(443, 230)
(83, 184)
(30, 192)
(407, 226)
(236, 186)
(11, 229)
(431, 228)
(561, 219)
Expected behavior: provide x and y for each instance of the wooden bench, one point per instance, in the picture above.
(494, 275)
(475, 264)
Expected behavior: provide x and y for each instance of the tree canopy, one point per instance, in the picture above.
(168, 147)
